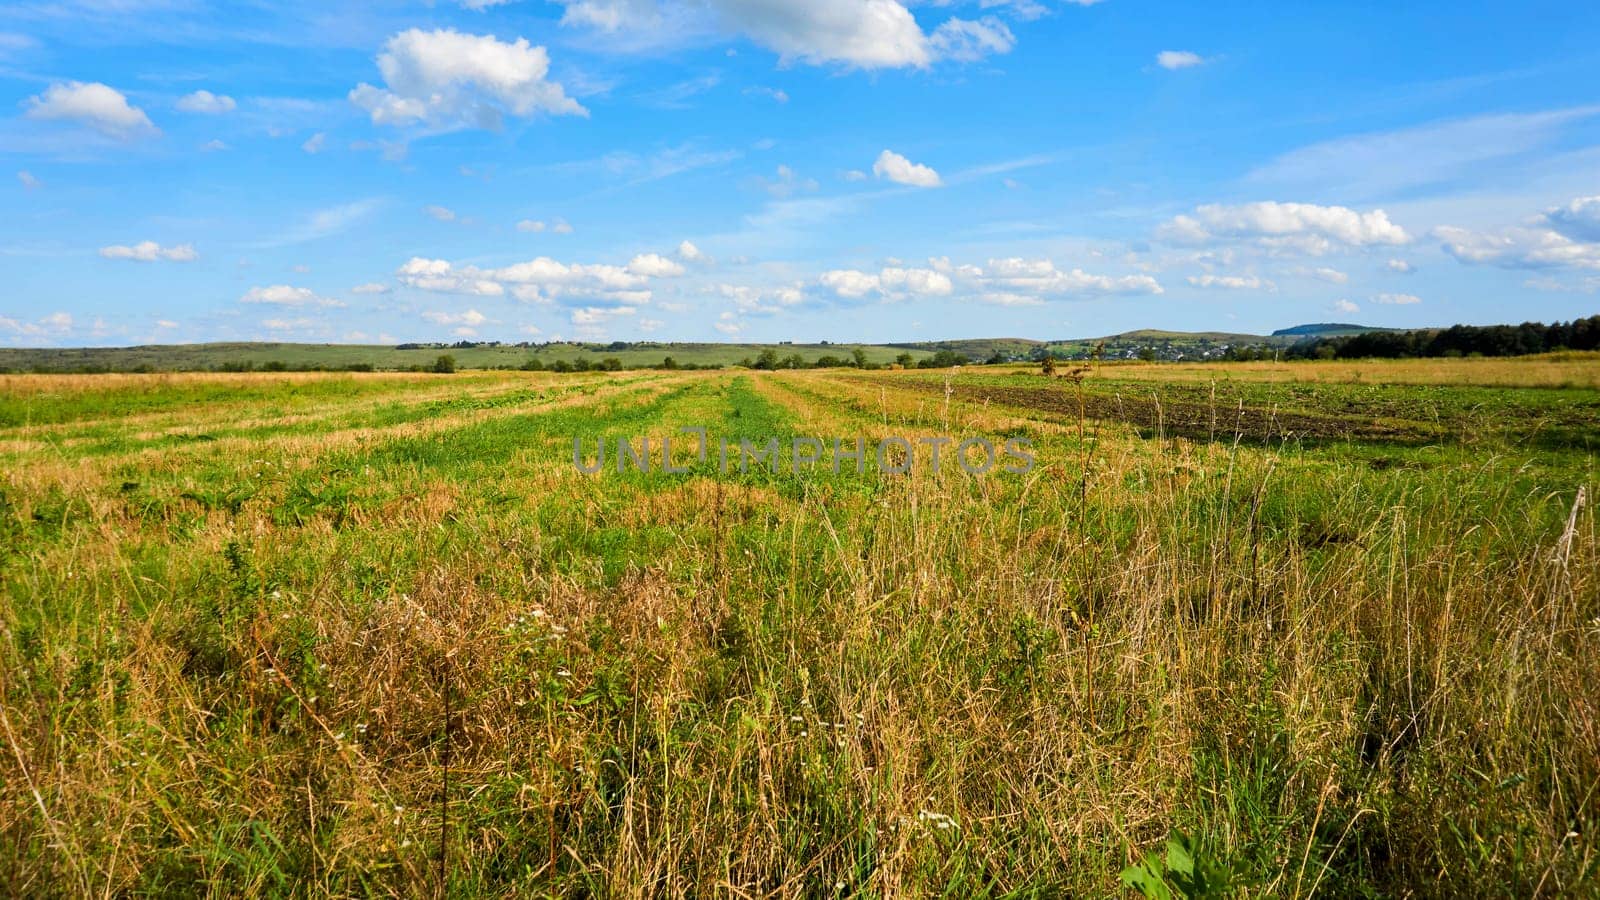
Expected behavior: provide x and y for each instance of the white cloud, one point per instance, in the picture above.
(206, 103)
(53, 325)
(761, 301)
(1519, 248)
(439, 276)
(849, 282)
(1302, 227)
(1578, 220)
(471, 318)
(287, 295)
(150, 251)
(1397, 299)
(1345, 306)
(654, 265)
(300, 323)
(964, 40)
(854, 175)
(212, 146)
(102, 108)
(446, 79)
(27, 179)
(443, 214)
(560, 226)
(1172, 60)
(543, 279)
(314, 144)
(1041, 278)
(1006, 282)
(1325, 273)
(690, 253)
(591, 321)
(1399, 266)
(371, 287)
(863, 34)
(530, 226)
(1232, 282)
(900, 170)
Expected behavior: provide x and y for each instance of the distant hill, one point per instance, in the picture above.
(1148, 343)
(1326, 329)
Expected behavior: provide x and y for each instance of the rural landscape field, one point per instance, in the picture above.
(1256, 629)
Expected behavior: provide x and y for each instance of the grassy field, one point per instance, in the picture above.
(204, 357)
(1331, 627)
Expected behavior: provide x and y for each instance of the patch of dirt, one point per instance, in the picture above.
(1196, 421)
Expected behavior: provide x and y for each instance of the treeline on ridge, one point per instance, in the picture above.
(1457, 340)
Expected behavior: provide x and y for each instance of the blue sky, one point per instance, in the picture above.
(879, 170)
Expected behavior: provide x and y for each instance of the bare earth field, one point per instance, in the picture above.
(1327, 629)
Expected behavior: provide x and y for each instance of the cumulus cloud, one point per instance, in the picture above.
(1173, 60)
(287, 295)
(1302, 227)
(447, 79)
(1397, 299)
(654, 265)
(761, 301)
(96, 105)
(439, 276)
(690, 253)
(1345, 306)
(849, 282)
(471, 318)
(1399, 266)
(1578, 220)
(863, 34)
(1011, 281)
(150, 251)
(206, 103)
(544, 279)
(897, 168)
(53, 325)
(1519, 248)
(1232, 282)
(531, 226)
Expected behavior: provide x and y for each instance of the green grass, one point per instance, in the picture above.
(206, 357)
(336, 635)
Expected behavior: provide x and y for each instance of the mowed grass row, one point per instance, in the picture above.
(350, 654)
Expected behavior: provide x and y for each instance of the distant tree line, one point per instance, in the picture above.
(1457, 340)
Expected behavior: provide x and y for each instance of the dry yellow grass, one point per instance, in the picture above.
(433, 659)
